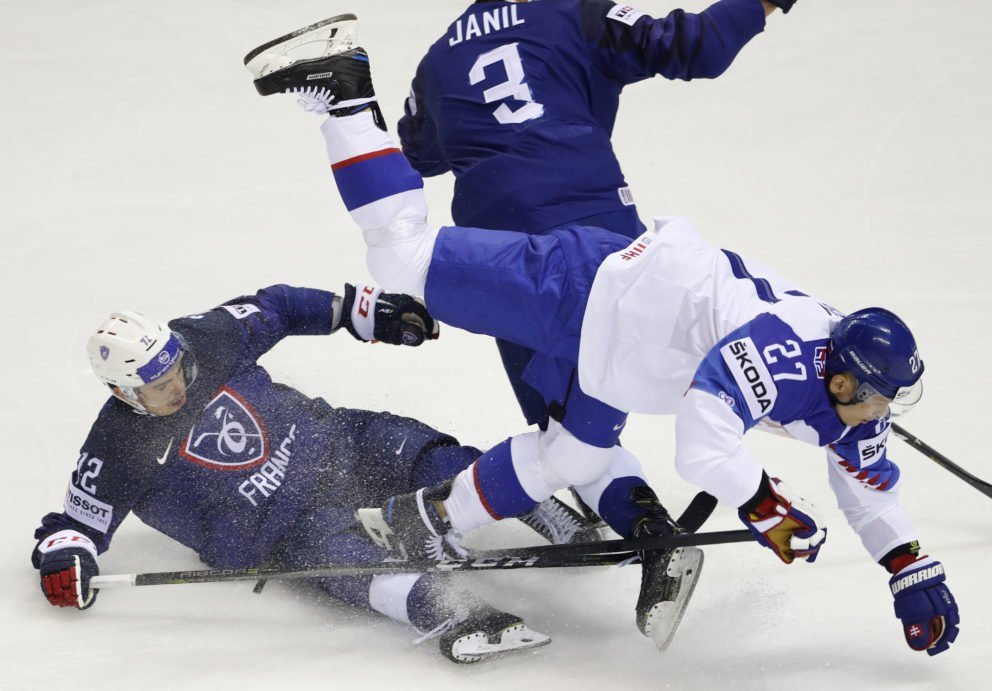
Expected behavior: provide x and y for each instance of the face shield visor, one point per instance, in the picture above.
(167, 377)
(901, 401)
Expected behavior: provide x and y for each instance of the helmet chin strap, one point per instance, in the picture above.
(129, 396)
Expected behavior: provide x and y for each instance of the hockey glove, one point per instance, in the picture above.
(926, 607)
(783, 521)
(394, 318)
(68, 562)
(784, 5)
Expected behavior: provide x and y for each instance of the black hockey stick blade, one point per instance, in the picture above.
(942, 460)
(697, 512)
(604, 553)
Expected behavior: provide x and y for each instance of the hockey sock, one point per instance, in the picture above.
(385, 197)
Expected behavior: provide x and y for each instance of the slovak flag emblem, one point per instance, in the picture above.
(820, 361)
(104, 352)
(229, 436)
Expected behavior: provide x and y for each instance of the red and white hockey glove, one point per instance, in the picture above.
(926, 607)
(783, 521)
(372, 315)
(68, 562)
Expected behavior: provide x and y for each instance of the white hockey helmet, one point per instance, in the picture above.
(130, 350)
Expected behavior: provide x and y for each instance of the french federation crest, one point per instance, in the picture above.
(230, 435)
(104, 352)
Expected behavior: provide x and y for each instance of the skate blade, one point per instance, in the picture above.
(334, 35)
(664, 617)
(476, 646)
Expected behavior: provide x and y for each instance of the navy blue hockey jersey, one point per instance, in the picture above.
(519, 100)
(234, 470)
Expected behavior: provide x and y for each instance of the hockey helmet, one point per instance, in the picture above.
(879, 351)
(130, 350)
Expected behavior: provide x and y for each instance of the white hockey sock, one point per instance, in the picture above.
(353, 136)
(464, 506)
(385, 200)
(388, 594)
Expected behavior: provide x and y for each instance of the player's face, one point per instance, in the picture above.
(167, 394)
(872, 408)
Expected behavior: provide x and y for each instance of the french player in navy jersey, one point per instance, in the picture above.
(662, 324)
(199, 443)
(518, 101)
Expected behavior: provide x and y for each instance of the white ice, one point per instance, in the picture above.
(849, 147)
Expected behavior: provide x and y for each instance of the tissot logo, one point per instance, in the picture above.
(229, 436)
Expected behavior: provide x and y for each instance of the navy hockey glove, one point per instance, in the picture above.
(926, 607)
(68, 562)
(394, 318)
(784, 5)
(783, 521)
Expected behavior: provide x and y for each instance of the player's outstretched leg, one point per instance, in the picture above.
(668, 577)
(320, 63)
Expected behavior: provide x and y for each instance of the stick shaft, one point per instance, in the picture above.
(604, 553)
(942, 460)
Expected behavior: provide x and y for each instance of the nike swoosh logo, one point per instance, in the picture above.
(620, 426)
(164, 457)
(400, 450)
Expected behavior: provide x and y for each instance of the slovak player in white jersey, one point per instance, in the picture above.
(666, 324)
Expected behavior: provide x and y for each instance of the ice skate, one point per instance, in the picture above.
(559, 523)
(410, 526)
(668, 576)
(487, 632)
(322, 65)
(328, 37)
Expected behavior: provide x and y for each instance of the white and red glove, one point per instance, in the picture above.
(369, 314)
(783, 521)
(68, 562)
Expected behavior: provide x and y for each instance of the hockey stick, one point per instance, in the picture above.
(603, 553)
(942, 460)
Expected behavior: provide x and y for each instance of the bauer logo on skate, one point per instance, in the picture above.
(751, 375)
(229, 436)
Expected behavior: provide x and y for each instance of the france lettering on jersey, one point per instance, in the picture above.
(519, 101)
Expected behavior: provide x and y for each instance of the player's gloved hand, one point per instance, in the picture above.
(783, 521)
(926, 607)
(68, 562)
(372, 315)
(784, 5)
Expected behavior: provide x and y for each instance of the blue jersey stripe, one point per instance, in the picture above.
(761, 286)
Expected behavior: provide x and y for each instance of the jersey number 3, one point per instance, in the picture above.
(514, 87)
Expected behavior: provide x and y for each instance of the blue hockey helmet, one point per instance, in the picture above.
(879, 351)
